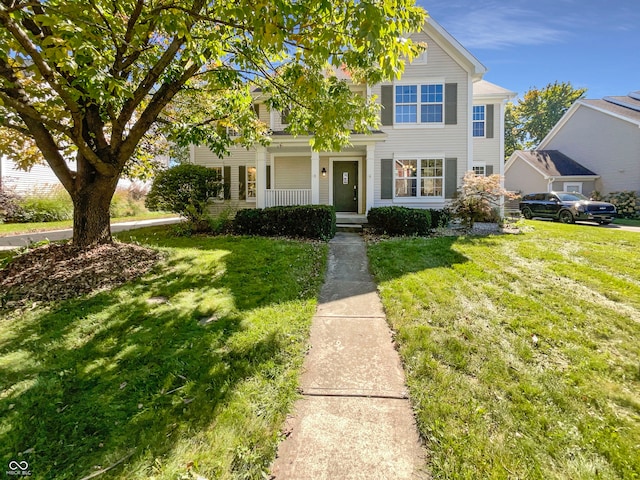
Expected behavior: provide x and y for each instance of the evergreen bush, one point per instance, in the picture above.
(400, 220)
(306, 221)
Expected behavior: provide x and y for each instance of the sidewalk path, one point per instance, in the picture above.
(26, 239)
(354, 420)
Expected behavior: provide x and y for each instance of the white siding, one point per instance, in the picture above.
(324, 181)
(40, 177)
(292, 172)
(604, 144)
(238, 157)
(488, 149)
(447, 140)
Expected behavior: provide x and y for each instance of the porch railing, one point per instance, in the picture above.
(283, 197)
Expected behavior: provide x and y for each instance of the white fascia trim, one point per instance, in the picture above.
(575, 178)
(497, 98)
(470, 136)
(418, 156)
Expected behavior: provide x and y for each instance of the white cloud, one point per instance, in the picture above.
(497, 25)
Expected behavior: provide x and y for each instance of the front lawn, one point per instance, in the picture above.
(631, 222)
(522, 352)
(186, 372)
(20, 228)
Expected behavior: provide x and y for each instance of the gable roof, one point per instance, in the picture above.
(454, 48)
(552, 163)
(625, 108)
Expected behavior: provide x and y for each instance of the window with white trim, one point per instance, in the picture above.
(251, 184)
(427, 100)
(479, 169)
(479, 120)
(219, 182)
(573, 187)
(419, 178)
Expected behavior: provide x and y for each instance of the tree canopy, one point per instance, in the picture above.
(95, 80)
(530, 120)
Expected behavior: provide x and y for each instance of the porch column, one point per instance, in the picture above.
(371, 154)
(315, 178)
(261, 177)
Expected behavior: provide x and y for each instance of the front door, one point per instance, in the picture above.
(345, 186)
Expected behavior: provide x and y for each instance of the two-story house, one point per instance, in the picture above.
(437, 122)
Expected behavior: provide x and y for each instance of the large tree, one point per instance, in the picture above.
(89, 80)
(530, 120)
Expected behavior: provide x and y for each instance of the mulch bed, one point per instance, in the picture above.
(61, 271)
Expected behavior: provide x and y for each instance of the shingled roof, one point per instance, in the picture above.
(553, 163)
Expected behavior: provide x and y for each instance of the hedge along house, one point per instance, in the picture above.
(437, 122)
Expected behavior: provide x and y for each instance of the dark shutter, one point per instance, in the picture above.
(386, 100)
(488, 170)
(386, 178)
(242, 179)
(268, 177)
(488, 115)
(227, 182)
(256, 109)
(450, 177)
(451, 104)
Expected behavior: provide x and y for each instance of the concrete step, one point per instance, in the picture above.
(349, 227)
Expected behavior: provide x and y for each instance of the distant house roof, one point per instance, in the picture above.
(623, 106)
(553, 163)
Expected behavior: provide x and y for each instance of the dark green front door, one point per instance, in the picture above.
(345, 186)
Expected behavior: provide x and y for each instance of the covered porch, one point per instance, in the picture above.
(291, 174)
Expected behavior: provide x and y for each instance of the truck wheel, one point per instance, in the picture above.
(565, 216)
(527, 213)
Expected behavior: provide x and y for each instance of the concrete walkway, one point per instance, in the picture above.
(354, 420)
(24, 240)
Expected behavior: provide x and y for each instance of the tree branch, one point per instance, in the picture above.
(33, 51)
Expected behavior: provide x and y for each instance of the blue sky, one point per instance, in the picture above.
(529, 43)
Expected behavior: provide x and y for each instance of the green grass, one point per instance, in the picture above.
(490, 400)
(18, 228)
(88, 382)
(631, 222)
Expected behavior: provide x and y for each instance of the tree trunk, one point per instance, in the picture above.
(91, 218)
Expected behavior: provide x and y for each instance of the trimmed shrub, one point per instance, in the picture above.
(439, 218)
(306, 221)
(185, 190)
(399, 220)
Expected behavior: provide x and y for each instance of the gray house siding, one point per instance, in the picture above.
(605, 144)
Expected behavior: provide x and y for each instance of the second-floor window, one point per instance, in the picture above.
(419, 103)
(478, 120)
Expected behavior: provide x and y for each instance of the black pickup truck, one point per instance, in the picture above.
(566, 207)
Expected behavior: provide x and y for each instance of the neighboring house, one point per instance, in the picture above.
(40, 178)
(601, 136)
(14, 179)
(437, 122)
(547, 171)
